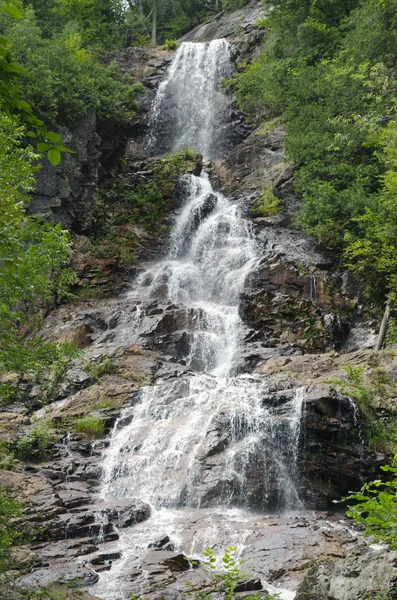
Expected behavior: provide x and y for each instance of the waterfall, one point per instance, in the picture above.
(190, 108)
(211, 442)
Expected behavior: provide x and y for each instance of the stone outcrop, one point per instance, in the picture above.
(297, 315)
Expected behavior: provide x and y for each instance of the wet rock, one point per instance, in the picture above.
(174, 561)
(75, 379)
(160, 543)
(225, 25)
(124, 513)
(104, 557)
(61, 573)
(373, 573)
(251, 585)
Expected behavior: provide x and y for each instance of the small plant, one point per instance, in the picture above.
(34, 445)
(391, 335)
(375, 507)
(170, 45)
(91, 427)
(267, 205)
(6, 456)
(97, 369)
(224, 583)
(380, 430)
(107, 403)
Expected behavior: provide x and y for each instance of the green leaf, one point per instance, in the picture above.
(54, 156)
(24, 106)
(52, 136)
(31, 134)
(13, 11)
(43, 147)
(64, 149)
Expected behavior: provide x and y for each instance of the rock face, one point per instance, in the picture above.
(240, 23)
(296, 314)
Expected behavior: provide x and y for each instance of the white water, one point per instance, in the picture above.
(190, 109)
(207, 447)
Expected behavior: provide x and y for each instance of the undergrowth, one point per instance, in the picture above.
(381, 429)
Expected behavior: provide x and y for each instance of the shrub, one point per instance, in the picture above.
(224, 583)
(34, 445)
(170, 45)
(6, 456)
(380, 430)
(91, 427)
(267, 205)
(375, 507)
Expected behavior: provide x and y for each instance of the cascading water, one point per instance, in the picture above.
(190, 109)
(207, 446)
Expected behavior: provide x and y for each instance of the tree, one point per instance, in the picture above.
(32, 256)
(327, 70)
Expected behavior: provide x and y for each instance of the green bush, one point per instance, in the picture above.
(332, 81)
(91, 427)
(6, 456)
(64, 77)
(268, 205)
(224, 583)
(170, 45)
(375, 507)
(34, 445)
(380, 431)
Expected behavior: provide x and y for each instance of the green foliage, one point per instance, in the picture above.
(51, 64)
(6, 456)
(380, 430)
(10, 509)
(327, 69)
(224, 583)
(391, 335)
(32, 257)
(91, 427)
(11, 102)
(268, 205)
(144, 200)
(34, 446)
(106, 402)
(97, 369)
(170, 45)
(375, 507)
(233, 4)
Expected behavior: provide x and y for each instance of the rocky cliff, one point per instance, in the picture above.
(302, 335)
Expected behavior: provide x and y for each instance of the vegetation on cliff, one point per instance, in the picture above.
(328, 70)
(152, 21)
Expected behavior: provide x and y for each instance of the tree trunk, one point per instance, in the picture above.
(154, 23)
(385, 322)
